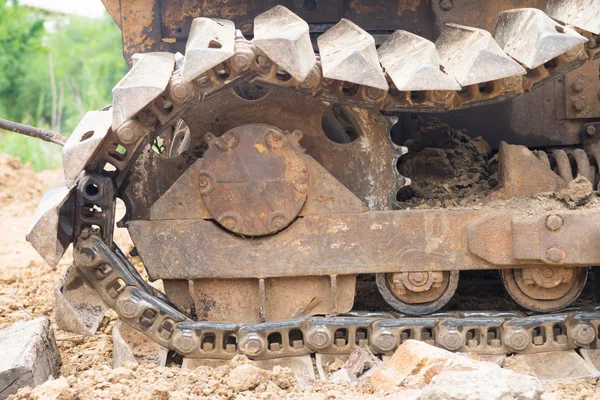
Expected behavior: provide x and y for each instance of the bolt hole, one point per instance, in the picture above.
(214, 44)
(92, 190)
(559, 29)
(486, 87)
(552, 64)
(417, 96)
(282, 75)
(350, 89)
(251, 92)
(179, 30)
(87, 135)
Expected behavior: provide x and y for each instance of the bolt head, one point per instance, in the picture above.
(446, 5)
(554, 222)
(180, 92)
(555, 254)
(578, 105)
(127, 135)
(241, 60)
(453, 341)
(578, 85)
(583, 334)
(591, 130)
(517, 340)
(252, 347)
(374, 93)
(319, 338)
(385, 341)
(185, 342)
(129, 308)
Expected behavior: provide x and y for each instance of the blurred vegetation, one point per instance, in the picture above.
(53, 69)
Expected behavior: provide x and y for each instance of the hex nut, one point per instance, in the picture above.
(319, 338)
(583, 334)
(554, 222)
(252, 346)
(385, 341)
(452, 341)
(184, 342)
(591, 130)
(555, 254)
(517, 340)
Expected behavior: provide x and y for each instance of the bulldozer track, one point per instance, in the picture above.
(466, 67)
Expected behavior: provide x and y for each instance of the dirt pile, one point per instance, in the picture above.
(447, 168)
(18, 182)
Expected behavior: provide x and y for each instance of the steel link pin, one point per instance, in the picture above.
(517, 340)
(583, 334)
(129, 308)
(185, 342)
(453, 341)
(253, 345)
(319, 338)
(385, 340)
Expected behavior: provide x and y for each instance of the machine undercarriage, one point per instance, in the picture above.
(261, 179)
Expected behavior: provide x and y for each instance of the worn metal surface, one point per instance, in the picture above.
(337, 244)
(582, 92)
(472, 56)
(348, 54)
(284, 38)
(77, 306)
(143, 83)
(84, 142)
(544, 41)
(584, 14)
(412, 62)
(51, 231)
(210, 43)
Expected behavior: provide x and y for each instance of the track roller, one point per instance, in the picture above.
(418, 293)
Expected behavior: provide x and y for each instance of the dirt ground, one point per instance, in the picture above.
(26, 292)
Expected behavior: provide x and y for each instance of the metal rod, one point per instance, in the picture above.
(39, 133)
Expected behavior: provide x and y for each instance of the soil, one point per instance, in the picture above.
(26, 292)
(447, 168)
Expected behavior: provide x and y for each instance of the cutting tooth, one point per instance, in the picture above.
(348, 54)
(583, 14)
(146, 80)
(84, 142)
(472, 56)
(285, 39)
(211, 42)
(52, 229)
(532, 38)
(414, 64)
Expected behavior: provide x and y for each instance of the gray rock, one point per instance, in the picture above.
(488, 383)
(29, 355)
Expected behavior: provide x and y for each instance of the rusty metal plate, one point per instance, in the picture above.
(582, 92)
(254, 180)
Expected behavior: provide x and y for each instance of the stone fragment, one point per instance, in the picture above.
(54, 389)
(490, 382)
(28, 355)
(418, 358)
(246, 377)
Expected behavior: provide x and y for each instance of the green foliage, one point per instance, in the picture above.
(51, 77)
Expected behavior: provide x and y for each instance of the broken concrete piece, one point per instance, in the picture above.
(246, 377)
(54, 389)
(418, 358)
(489, 382)
(555, 365)
(29, 355)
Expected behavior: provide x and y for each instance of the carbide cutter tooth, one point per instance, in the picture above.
(472, 56)
(52, 229)
(146, 80)
(583, 14)
(414, 64)
(84, 142)
(284, 38)
(211, 42)
(348, 54)
(532, 38)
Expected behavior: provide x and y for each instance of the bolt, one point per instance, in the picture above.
(204, 181)
(578, 85)
(517, 340)
(319, 338)
(203, 80)
(385, 340)
(554, 222)
(86, 256)
(253, 346)
(446, 5)
(453, 341)
(277, 221)
(583, 334)
(590, 130)
(185, 342)
(129, 308)
(555, 254)
(374, 93)
(241, 60)
(229, 223)
(578, 104)
(180, 92)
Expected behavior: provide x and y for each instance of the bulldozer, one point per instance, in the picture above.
(261, 151)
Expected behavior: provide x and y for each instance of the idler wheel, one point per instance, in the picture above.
(544, 289)
(418, 293)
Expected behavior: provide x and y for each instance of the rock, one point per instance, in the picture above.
(29, 355)
(52, 389)
(418, 358)
(246, 377)
(481, 146)
(578, 191)
(120, 373)
(487, 383)
(343, 375)
(406, 394)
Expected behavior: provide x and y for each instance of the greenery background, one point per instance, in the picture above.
(53, 69)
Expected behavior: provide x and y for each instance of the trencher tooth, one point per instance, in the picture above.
(84, 142)
(146, 80)
(348, 54)
(582, 14)
(414, 64)
(284, 38)
(532, 38)
(472, 56)
(211, 42)
(52, 229)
